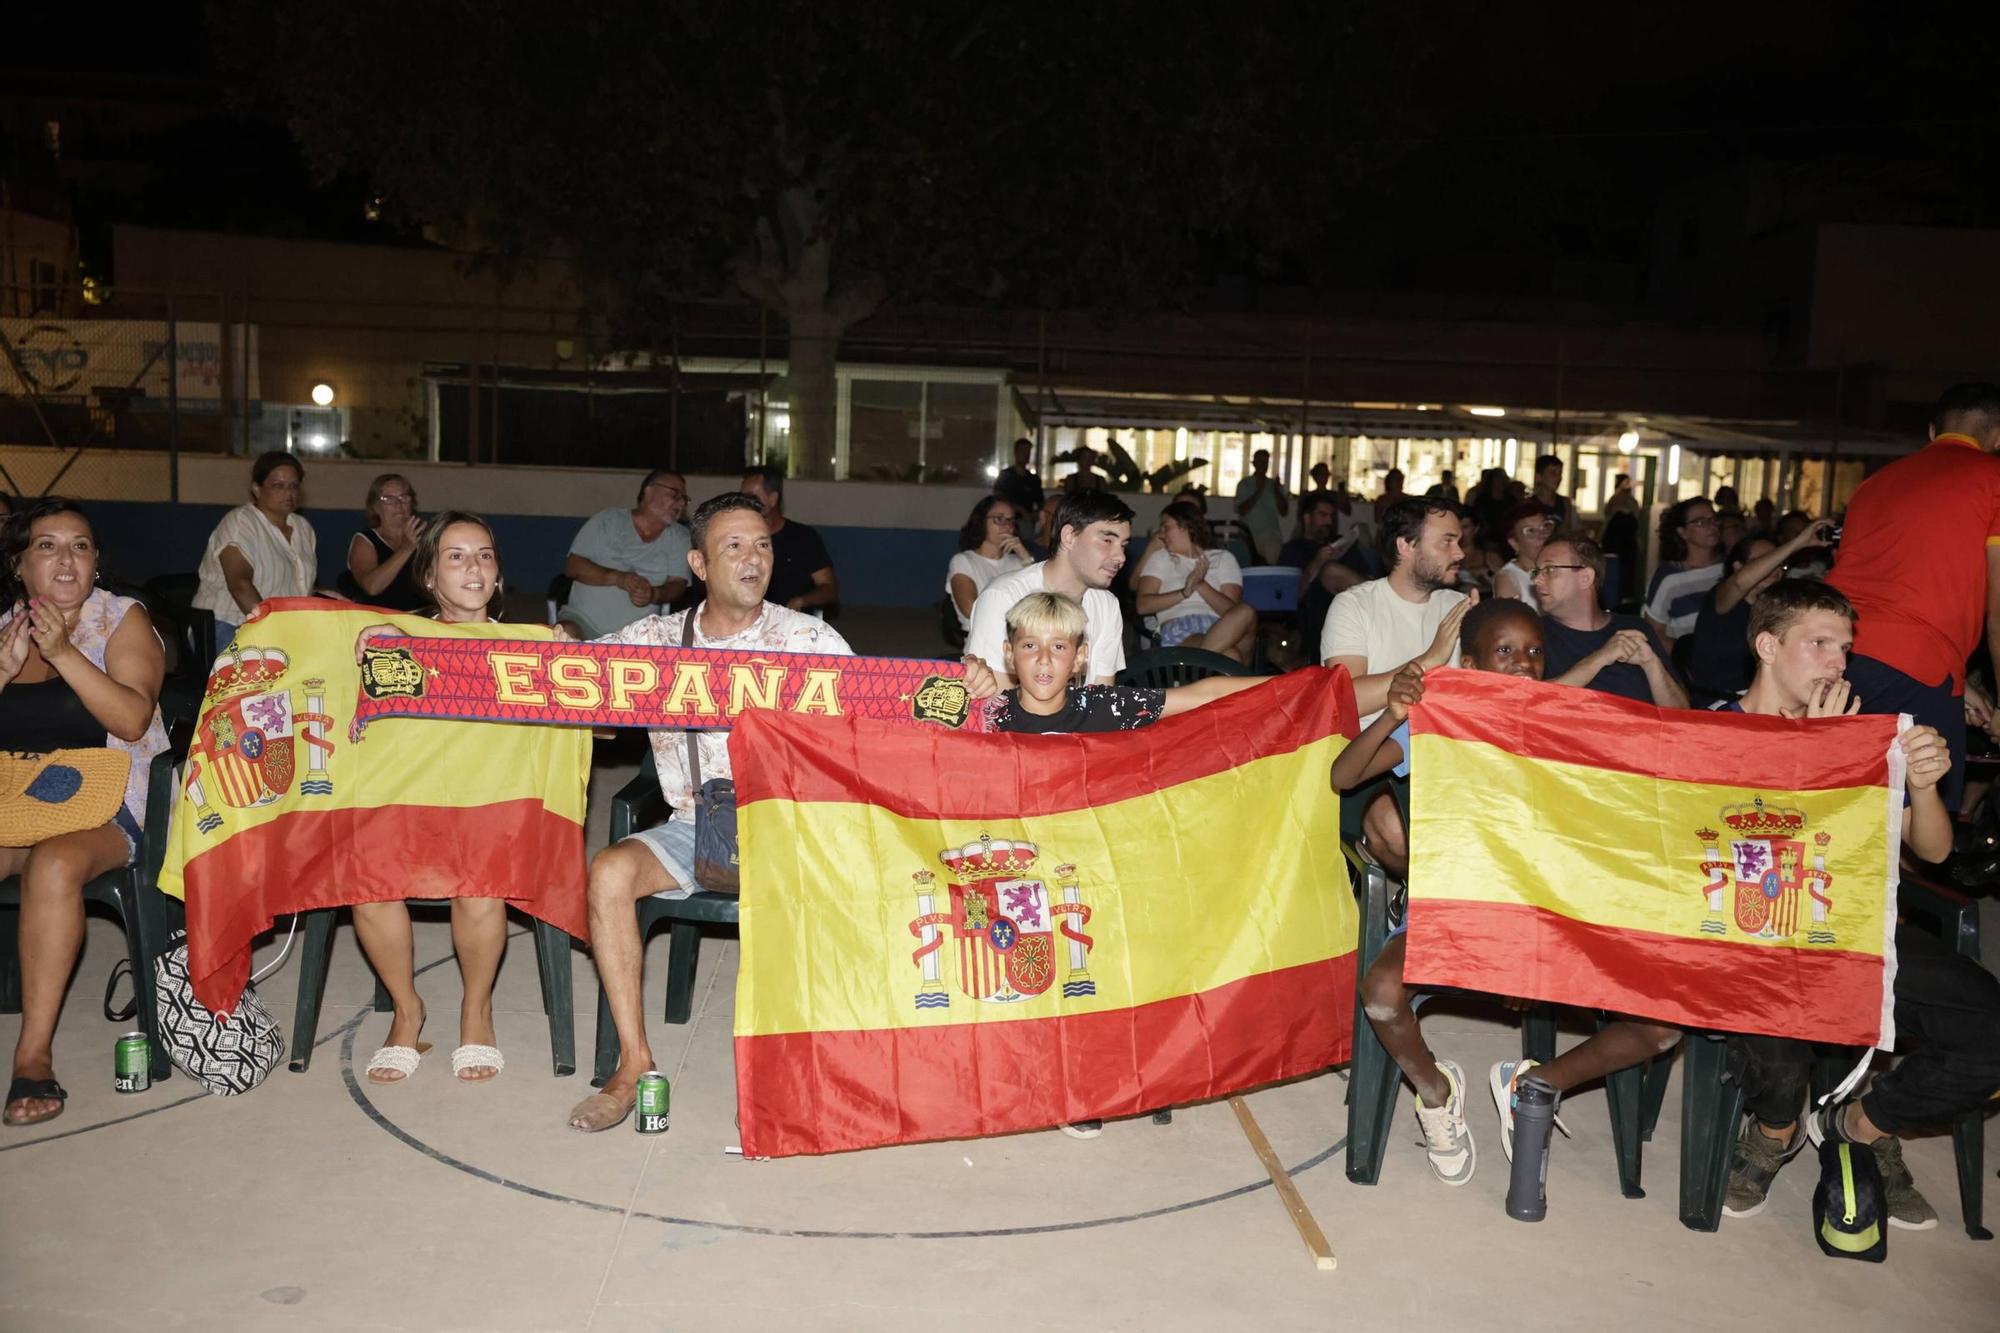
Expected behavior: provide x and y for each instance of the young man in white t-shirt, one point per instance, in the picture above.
(1091, 529)
(1377, 628)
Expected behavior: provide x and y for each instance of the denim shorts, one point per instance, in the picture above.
(672, 845)
(1180, 629)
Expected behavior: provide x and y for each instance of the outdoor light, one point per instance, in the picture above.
(1487, 411)
(1513, 456)
(992, 469)
(322, 394)
(1674, 465)
(316, 441)
(1628, 441)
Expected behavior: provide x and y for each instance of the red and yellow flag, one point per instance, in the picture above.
(1714, 870)
(950, 935)
(281, 812)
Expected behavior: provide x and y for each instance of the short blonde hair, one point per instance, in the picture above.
(1047, 613)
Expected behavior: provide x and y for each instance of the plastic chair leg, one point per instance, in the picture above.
(315, 954)
(1625, 1092)
(10, 960)
(1658, 1070)
(142, 946)
(1968, 1141)
(552, 961)
(684, 950)
(1538, 1034)
(607, 1041)
(1711, 1112)
(1372, 1084)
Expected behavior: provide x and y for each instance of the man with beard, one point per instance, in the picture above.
(1088, 539)
(1379, 627)
(624, 562)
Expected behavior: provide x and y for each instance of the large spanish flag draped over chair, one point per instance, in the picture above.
(1714, 870)
(950, 935)
(280, 811)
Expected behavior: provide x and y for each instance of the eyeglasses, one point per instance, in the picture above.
(674, 491)
(391, 498)
(1700, 523)
(1004, 520)
(1541, 571)
(1540, 525)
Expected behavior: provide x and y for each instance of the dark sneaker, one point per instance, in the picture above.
(1752, 1168)
(1908, 1208)
(1083, 1129)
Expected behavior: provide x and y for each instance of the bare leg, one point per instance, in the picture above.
(1230, 635)
(1620, 1045)
(386, 940)
(478, 937)
(1386, 1001)
(620, 875)
(1382, 828)
(53, 873)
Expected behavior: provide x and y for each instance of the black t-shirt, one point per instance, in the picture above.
(1563, 648)
(1314, 600)
(1720, 664)
(1023, 490)
(797, 554)
(1088, 708)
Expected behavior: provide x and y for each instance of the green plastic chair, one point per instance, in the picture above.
(133, 896)
(1164, 668)
(1373, 1079)
(552, 961)
(640, 805)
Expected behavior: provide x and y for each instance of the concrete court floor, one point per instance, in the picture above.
(323, 1202)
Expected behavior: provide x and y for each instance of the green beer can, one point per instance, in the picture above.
(655, 1094)
(131, 1063)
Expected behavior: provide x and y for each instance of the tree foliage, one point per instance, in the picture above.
(825, 157)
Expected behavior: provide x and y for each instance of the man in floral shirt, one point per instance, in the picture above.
(732, 556)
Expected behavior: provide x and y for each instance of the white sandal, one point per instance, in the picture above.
(399, 1060)
(476, 1057)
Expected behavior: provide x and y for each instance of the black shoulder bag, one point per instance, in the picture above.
(715, 867)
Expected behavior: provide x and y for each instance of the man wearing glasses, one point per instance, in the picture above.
(624, 562)
(1583, 644)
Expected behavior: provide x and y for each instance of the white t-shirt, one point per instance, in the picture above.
(1372, 622)
(1172, 571)
(1104, 624)
(278, 567)
(1511, 580)
(981, 571)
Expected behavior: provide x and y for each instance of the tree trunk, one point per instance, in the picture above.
(815, 349)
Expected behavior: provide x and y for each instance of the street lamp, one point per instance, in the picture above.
(322, 394)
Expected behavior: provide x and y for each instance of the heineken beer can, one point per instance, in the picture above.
(654, 1096)
(131, 1063)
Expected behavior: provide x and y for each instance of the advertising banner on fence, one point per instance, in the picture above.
(76, 359)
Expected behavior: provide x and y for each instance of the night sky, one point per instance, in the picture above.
(1552, 140)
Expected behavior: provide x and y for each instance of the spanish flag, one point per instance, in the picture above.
(950, 935)
(1713, 870)
(280, 811)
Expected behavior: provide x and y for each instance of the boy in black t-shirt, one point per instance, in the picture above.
(1046, 650)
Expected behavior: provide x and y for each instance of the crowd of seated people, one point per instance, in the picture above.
(1910, 599)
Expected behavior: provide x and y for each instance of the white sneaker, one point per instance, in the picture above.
(1447, 1139)
(1501, 1082)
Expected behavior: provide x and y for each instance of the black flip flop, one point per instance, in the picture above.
(39, 1090)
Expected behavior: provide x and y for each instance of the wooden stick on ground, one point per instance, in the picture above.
(1301, 1216)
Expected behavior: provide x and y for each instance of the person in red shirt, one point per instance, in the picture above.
(1920, 560)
